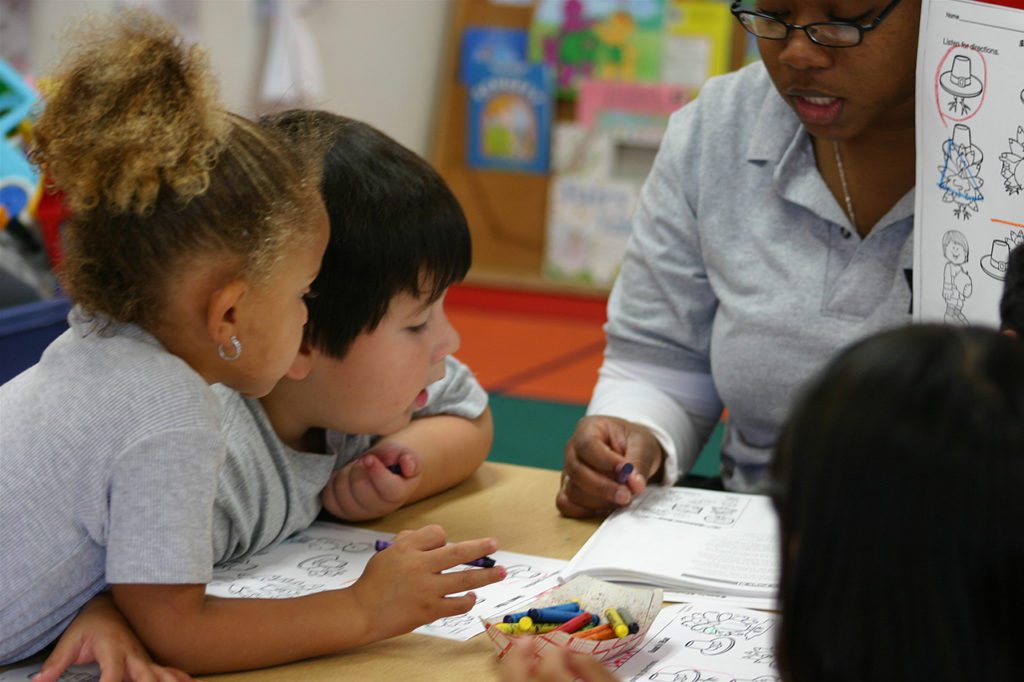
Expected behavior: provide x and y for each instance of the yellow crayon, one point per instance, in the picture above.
(539, 628)
(619, 626)
(525, 623)
(507, 628)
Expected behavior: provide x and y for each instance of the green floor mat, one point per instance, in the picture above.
(534, 432)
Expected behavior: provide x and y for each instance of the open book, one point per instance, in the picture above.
(685, 539)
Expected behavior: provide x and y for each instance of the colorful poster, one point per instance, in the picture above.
(970, 158)
(605, 39)
(699, 42)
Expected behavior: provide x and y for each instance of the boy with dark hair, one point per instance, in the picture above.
(1011, 306)
(377, 350)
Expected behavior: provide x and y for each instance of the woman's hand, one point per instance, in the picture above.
(595, 454)
(100, 634)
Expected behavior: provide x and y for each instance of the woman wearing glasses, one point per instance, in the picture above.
(774, 228)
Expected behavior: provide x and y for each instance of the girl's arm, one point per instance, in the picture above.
(401, 589)
(99, 634)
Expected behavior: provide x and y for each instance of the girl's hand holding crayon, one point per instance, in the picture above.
(403, 586)
(374, 485)
(595, 478)
(99, 634)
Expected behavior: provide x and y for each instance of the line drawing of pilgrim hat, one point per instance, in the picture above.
(959, 81)
(995, 263)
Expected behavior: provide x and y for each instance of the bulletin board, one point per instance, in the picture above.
(506, 211)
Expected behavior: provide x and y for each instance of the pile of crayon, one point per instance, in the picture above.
(572, 619)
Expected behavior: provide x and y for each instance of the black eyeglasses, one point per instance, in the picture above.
(826, 33)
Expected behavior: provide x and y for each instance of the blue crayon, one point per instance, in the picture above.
(551, 615)
(482, 562)
(395, 469)
(624, 473)
(573, 606)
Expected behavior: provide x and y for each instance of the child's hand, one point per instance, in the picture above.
(100, 634)
(403, 587)
(558, 665)
(366, 489)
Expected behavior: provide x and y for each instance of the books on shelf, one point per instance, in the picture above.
(599, 163)
(688, 539)
(510, 113)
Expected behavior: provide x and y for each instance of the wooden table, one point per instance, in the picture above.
(512, 503)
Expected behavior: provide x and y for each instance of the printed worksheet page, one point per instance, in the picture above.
(969, 210)
(687, 539)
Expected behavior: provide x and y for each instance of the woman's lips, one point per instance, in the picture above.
(817, 110)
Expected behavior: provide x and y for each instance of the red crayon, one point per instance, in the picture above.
(575, 623)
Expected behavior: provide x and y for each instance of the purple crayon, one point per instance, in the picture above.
(624, 473)
(396, 469)
(482, 562)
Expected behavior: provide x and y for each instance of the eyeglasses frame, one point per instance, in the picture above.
(737, 10)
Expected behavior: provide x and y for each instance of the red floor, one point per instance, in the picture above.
(529, 345)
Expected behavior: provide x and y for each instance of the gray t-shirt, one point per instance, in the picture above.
(267, 490)
(743, 274)
(109, 452)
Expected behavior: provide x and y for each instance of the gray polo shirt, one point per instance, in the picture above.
(267, 490)
(743, 276)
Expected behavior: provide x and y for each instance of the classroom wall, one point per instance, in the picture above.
(382, 58)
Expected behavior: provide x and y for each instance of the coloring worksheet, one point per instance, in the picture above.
(706, 642)
(725, 544)
(329, 556)
(969, 210)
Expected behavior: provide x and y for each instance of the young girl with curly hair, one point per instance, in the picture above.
(196, 235)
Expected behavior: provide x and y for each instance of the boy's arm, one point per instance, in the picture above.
(401, 589)
(433, 453)
(450, 448)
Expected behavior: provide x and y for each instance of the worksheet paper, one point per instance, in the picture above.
(704, 642)
(687, 539)
(969, 210)
(329, 556)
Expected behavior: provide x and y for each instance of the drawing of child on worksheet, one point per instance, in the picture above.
(957, 285)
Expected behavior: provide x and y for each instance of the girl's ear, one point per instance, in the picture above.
(222, 311)
(303, 363)
(1010, 332)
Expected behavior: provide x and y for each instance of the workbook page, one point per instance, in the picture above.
(688, 539)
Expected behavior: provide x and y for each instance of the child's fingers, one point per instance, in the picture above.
(424, 539)
(454, 606)
(386, 486)
(111, 670)
(461, 581)
(63, 655)
(588, 668)
(460, 553)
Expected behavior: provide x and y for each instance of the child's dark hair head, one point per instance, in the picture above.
(1011, 306)
(899, 495)
(395, 226)
(157, 173)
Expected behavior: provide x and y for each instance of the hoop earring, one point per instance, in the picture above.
(236, 344)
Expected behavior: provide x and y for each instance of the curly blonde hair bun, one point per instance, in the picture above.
(131, 109)
(158, 173)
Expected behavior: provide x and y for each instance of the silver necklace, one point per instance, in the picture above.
(842, 180)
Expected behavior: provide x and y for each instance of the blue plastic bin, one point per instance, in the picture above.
(26, 330)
